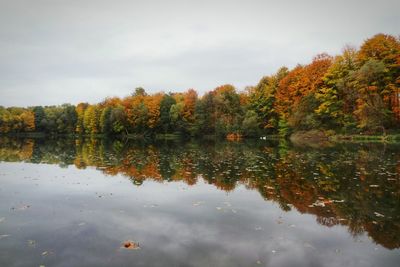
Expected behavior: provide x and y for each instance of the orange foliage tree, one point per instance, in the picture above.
(301, 84)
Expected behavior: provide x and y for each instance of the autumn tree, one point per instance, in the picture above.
(136, 112)
(28, 119)
(15, 120)
(262, 99)
(152, 104)
(80, 111)
(189, 103)
(371, 111)
(296, 85)
(337, 97)
(386, 49)
(229, 113)
(91, 120)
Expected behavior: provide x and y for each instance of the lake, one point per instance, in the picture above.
(93, 202)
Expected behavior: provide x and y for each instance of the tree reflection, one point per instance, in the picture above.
(353, 185)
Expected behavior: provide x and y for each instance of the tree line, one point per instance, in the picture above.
(356, 91)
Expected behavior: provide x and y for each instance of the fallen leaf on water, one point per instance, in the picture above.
(130, 245)
(308, 245)
(23, 207)
(2, 219)
(198, 203)
(32, 243)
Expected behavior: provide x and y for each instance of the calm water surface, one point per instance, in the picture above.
(77, 202)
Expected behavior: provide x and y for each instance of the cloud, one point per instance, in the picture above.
(53, 52)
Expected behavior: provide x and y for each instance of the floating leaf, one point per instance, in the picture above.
(32, 243)
(130, 245)
(22, 207)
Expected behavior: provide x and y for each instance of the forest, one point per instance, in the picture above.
(355, 92)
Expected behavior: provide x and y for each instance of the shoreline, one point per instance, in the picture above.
(301, 137)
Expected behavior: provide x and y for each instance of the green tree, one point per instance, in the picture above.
(228, 111)
(177, 119)
(262, 100)
(80, 112)
(118, 120)
(39, 114)
(105, 121)
(371, 110)
(302, 116)
(251, 125)
(165, 107)
(337, 97)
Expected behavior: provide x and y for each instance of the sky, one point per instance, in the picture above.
(56, 51)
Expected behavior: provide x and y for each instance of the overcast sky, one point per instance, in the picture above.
(56, 51)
